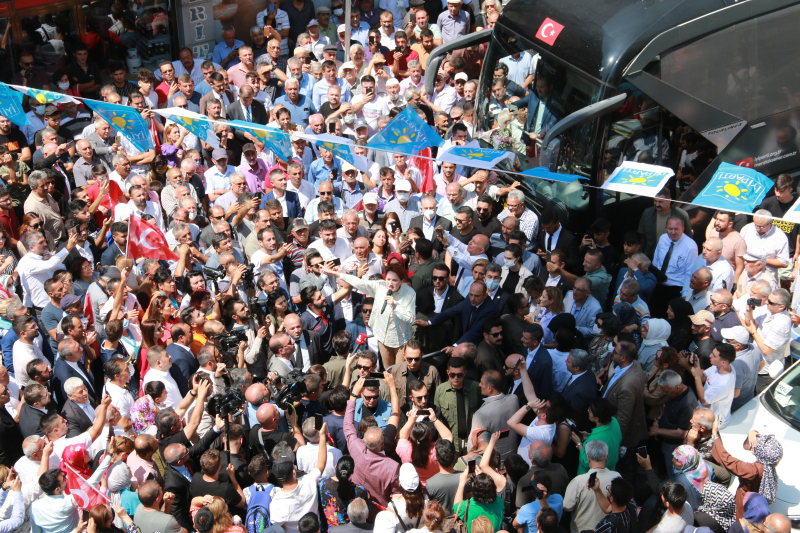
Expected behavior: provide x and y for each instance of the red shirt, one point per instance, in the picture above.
(162, 91)
(10, 223)
(412, 55)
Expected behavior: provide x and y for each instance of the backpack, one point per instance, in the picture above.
(257, 518)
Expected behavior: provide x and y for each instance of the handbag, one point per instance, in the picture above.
(454, 524)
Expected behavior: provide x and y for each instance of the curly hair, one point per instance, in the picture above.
(483, 489)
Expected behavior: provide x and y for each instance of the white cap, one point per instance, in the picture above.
(341, 28)
(403, 185)
(461, 76)
(370, 198)
(346, 65)
(392, 81)
(737, 333)
(312, 22)
(408, 477)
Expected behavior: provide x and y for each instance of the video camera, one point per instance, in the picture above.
(229, 341)
(258, 308)
(229, 403)
(293, 390)
(249, 277)
(214, 273)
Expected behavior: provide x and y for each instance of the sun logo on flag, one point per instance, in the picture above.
(643, 180)
(403, 137)
(122, 121)
(732, 190)
(471, 154)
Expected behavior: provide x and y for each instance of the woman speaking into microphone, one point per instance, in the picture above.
(394, 310)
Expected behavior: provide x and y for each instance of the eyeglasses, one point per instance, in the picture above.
(35, 226)
(498, 334)
(418, 398)
(413, 359)
(5, 393)
(438, 278)
(369, 398)
(363, 367)
(366, 311)
(27, 64)
(456, 375)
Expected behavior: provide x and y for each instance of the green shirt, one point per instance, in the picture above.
(600, 283)
(493, 511)
(611, 434)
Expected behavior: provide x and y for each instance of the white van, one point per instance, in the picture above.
(776, 411)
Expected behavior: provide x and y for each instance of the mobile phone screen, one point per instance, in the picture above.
(317, 422)
(505, 433)
(642, 451)
(592, 478)
(471, 467)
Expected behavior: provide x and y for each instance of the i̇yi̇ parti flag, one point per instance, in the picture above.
(470, 156)
(127, 121)
(638, 178)
(11, 106)
(277, 141)
(45, 97)
(734, 188)
(405, 134)
(196, 123)
(146, 240)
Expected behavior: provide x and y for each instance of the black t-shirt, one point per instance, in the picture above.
(270, 439)
(79, 76)
(15, 141)
(223, 489)
(456, 233)
(703, 350)
(326, 110)
(624, 522)
(779, 209)
(512, 278)
(678, 414)
(492, 226)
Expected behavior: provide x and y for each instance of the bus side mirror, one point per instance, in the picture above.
(549, 155)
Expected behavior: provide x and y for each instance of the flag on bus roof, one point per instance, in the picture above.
(277, 141)
(638, 178)
(11, 106)
(127, 121)
(45, 97)
(545, 174)
(473, 156)
(734, 188)
(196, 123)
(405, 134)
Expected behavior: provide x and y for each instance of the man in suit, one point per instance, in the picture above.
(307, 344)
(497, 408)
(553, 237)
(494, 273)
(288, 198)
(519, 383)
(436, 299)
(625, 391)
(428, 221)
(581, 388)
(78, 410)
(282, 360)
(551, 274)
(472, 312)
(102, 140)
(247, 108)
(37, 404)
(490, 355)
(183, 360)
(219, 92)
(542, 96)
(583, 306)
(182, 463)
(538, 361)
(67, 366)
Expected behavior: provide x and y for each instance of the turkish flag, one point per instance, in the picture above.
(425, 166)
(86, 496)
(549, 31)
(111, 199)
(88, 312)
(146, 240)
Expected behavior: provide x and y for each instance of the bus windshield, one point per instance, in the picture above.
(784, 397)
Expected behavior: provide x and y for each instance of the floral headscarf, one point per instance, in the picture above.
(769, 452)
(143, 414)
(692, 465)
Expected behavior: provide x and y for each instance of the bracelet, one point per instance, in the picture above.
(194, 394)
(353, 395)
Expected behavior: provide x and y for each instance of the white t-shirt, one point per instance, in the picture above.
(546, 433)
(286, 508)
(340, 249)
(307, 459)
(719, 390)
(61, 444)
(372, 110)
(676, 524)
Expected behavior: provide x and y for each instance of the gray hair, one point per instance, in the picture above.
(31, 238)
(254, 30)
(98, 119)
(542, 454)
(72, 384)
(580, 359)
(670, 378)
(117, 159)
(784, 297)
(316, 66)
(349, 212)
(13, 307)
(35, 177)
(31, 445)
(180, 226)
(517, 195)
(110, 272)
(186, 199)
(303, 36)
(48, 130)
(414, 63)
(292, 81)
(493, 267)
(356, 46)
(596, 450)
(293, 61)
(646, 262)
(310, 431)
(147, 263)
(410, 92)
(761, 213)
(358, 511)
(632, 286)
(763, 288)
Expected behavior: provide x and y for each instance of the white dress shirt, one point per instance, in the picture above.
(120, 398)
(173, 393)
(23, 354)
(438, 301)
(33, 272)
(340, 249)
(123, 211)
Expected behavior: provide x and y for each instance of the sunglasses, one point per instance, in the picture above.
(36, 226)
(370, 398)
(413, 359)
(26, 64)
(438, 278)
(366, 311)
(455, 375)
(498, 334)
(362, 367)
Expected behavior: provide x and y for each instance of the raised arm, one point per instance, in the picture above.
(203, 390)
(485, 466)
(100, 418)
(515, 422)
(322, 454)
(394, 398)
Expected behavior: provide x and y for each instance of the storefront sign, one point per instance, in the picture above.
(196, 26)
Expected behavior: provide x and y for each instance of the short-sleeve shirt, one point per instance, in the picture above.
(719, 389)
(223, 489)
(289, 507)
(624, 522)
(678, 414)
(15, 141)
(78, 76)
(527, 513)
(270, 438)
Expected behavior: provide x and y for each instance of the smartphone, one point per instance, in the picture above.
(592, 478)
(505, 433)
(371, 383)
(372, 41)
(110, 432)
(423, 412)
(375, 375)
(335, 173)
(85, 516)
(15, 156)
(394, 226)
(642, 451)
(70, 144)
(331, 127)
(471, 467)
(258, 195)
(398, 50)
(317, 422)
(308, 60)
(337, 261)
(72, 231)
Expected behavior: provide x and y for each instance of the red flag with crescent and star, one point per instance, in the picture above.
(549, 31)
(146, 240)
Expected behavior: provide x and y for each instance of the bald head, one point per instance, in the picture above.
(268, 415)
(173, 453)
(778, 523)
(373, 439)
(255, 393)
(512, 360)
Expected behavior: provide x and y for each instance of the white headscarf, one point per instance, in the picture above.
(658, 331)
(119, 479)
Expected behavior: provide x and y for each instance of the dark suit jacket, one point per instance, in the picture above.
(209, 95)
(77, 420)
(293, 207)
(314, 344)
(471, 330)
(437, 338)
(417, 222)
(178, 485)
(258, 115)
(567, 242)
(29, 418)
(627, 395)
(11, 443)
(579, 394)
(541, 372)
(338, 316)
(501, 302)
(61, 373)
(184, 360)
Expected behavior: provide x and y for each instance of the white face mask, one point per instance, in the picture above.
(338, 12)
(63, 86)
(350, 119)
(429, 214)
(596, 330)
(403, 196)
(307, 48)
(39, 110)
(509, 263)
(192, 215)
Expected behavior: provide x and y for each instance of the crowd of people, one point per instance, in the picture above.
(276, 373)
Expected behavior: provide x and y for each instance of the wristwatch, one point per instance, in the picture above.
(528, 407)
(353, 395)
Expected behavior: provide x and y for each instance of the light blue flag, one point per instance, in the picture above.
(733, 188)
(473, 156)
(340, 146)
(277, 141)
(545, 174)
(44, 97)
(125, 120)
(405, 134)
(11, 106)
(638, 178)
(196, 123)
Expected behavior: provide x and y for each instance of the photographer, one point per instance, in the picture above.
(266, 435)
(255, 362)
(208, 359)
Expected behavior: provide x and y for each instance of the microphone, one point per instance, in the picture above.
(388, 293)
(361, 340)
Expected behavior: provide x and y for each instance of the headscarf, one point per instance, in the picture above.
(692, 465)
(118, 479)
(756, 508)
(658, 331)
(682, 310)
(768, 451)
(400, 259)
(626, 314)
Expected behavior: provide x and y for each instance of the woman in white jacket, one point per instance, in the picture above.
(513, 272)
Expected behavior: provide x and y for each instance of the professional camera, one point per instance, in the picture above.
(229, 403)
(293, 390)
(258, 307)
(214, 273)
(229, 341)
(248, 277)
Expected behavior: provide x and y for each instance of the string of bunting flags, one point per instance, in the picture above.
(731, 188)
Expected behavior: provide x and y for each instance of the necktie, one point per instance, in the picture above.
(322, 317)
(667, 257)
(471, 315)
(247, 112)
(549, 241)
(298, 355)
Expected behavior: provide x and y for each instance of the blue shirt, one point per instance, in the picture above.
(527, 513)
(684, 254)
(319, 172)
(615, 377)
(217, 180)
(381, 414)
(300, 111)
(320, 92)
(222, 50)
(203, 88)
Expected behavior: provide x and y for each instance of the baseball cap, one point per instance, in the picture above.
(347, 167)
(323, 9)
(752, 257)
(346, 65)
(737, 333)
(68, 300)
(51, 110)
(341, 28)
(312, 22)
(283, 467)
(361, 123)
(219, 153)
(461, 76)
(249, 147)
(453, 1)
(702, 318)
(408, 477)
(403, 185)
(417, 3)
(330, 48)
(299, 224)
(370, 198)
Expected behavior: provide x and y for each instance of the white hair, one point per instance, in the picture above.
(517, 195)
(73, 384)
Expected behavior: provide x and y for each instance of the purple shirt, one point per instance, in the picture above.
(255, 180)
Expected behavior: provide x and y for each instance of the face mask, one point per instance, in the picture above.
(338, 12)
(596, 330)
(509, 263)
(403, 196)
(192, 215)
(307, 48)
(350, 119)
(39, 110)
(492, 284)
(63, 86)
(429, 213)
